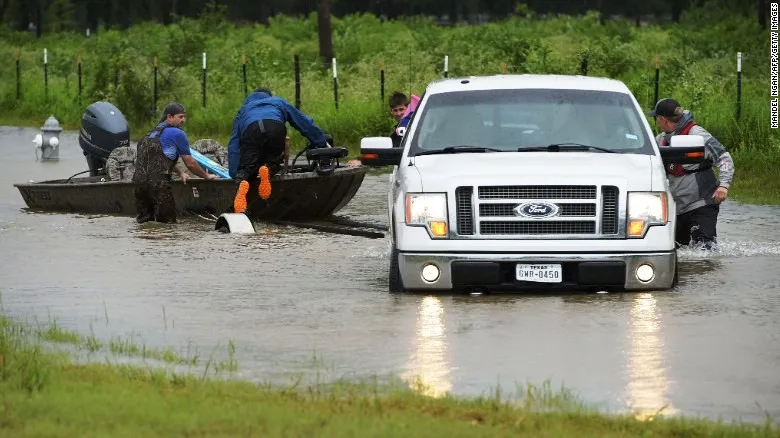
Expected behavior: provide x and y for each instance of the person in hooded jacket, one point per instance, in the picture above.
(696, 189)
(256, 146)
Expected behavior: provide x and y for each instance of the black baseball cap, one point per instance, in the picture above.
(665, 108)
(172, 109)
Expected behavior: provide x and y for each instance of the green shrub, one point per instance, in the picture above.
(697, 67)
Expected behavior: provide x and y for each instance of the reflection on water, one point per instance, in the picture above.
(428, 370)
(647, 380)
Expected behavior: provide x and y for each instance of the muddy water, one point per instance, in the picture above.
(711, 347)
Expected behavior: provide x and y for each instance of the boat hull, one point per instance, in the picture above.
(295, 196)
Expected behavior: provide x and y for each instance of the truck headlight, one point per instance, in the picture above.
(428, 210)
(646, 209)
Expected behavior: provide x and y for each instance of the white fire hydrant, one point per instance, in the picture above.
(49, 141)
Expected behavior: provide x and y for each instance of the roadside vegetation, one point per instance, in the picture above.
(697, 59)
(43, 392)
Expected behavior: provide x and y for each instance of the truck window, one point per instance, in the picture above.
(513, 119)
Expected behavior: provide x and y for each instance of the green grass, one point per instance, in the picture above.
(126, 347)
(43, 393)
(756, 179)
(697, 67)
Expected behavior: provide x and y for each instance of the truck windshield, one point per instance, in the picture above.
(533, 119)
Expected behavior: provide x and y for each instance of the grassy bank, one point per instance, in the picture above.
(756, 179)
(697, 67)
(44, 393)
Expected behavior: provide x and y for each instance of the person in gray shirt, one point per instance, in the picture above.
(696, 189)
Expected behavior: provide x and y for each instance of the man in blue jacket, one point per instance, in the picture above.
(257, 143)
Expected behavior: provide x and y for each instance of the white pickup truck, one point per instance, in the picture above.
(530, 182)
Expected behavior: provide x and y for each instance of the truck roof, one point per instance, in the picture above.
(526, 81)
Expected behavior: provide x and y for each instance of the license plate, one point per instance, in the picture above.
(539, 273)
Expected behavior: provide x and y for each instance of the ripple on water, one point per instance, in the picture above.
(732, 248)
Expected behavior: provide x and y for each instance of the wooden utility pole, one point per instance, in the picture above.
(323, 25)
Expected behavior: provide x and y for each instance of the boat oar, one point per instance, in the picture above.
(351, 231)
(332, 229)
(357, 224)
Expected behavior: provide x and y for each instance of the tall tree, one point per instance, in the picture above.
(38, 21)
(454, 12)
(3, 7)
(323, 26)
(678, 6)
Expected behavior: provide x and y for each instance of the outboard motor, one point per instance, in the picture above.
(103, 129)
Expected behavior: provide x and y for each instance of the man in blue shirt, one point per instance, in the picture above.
(256, 147)
(156, 157)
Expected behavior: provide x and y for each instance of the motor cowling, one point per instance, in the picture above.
(103, 129)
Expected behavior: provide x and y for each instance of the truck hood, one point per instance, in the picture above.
(443, 172)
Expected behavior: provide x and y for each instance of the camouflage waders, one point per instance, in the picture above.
(152, 179)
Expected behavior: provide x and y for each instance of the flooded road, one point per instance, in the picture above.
(711, 347)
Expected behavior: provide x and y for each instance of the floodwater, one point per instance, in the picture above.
(286, 296)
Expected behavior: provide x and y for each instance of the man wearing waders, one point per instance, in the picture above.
(156, 157)
(256, 147)
(696, 189)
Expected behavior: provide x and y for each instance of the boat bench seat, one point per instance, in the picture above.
(326, 153)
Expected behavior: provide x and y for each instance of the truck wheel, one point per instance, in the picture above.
(676, 273)
(394, 282)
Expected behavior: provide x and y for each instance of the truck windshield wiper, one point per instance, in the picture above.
(459, 149)
(555, 147)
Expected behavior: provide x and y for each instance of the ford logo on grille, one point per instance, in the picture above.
(536, 209)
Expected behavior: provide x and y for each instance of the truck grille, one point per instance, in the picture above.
(488, 210)
(609, 210)
(541, 227)
(464, 212)
(537, 192)
(582, 211)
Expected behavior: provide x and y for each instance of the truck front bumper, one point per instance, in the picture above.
(499, 272)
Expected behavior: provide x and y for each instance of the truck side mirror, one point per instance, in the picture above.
(687, 141)
(379, 151)
(683, 149)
